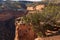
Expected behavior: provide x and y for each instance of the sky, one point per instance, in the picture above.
(25, 0)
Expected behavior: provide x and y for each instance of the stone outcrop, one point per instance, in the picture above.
(23, 31)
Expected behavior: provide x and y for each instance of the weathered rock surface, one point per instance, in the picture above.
(7, 29)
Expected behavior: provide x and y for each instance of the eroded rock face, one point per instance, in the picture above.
(8, 14)
(23, 31)
(7, 29)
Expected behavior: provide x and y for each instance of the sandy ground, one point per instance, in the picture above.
(52, 38)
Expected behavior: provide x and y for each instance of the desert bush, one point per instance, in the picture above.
(40, 20)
